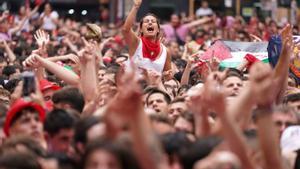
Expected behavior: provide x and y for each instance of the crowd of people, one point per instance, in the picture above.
(138, 96)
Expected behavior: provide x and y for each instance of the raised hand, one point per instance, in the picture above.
(214, 63)
(88, 52)
(153, 77)
(213, 95)
(106, 91)
(286, 31)
(74, 58)
(195, 102)
(42, 38)
(137, 2)
(287, 41)
(33, 61)
(129, 96)
(36, 97)
(262, 84)
(104, 42)
(167, 75)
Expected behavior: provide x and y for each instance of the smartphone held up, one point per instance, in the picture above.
(29, 84)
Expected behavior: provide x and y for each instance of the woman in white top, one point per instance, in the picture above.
(49, 18)
(146, 50)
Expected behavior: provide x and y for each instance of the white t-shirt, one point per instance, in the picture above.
(145, 63)
(204, 12)
(48, 23)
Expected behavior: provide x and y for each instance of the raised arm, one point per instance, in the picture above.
(265, 97)
(70, 56)
(19, 26)
(198, 22)
(130, 110)
(66, 75)
(213, 94)
(242, 106)
(10, 53)
(34, 11)
(130, 37)
(42, 40)
(88, 78)
(268, 139)
(282, 66)
(28, 16)
(70, 32)
(186, 73)
(72, 47)
(200, 111)
(4, 15)
(168, 72)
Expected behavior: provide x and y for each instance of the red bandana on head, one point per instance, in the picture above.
(150, 49)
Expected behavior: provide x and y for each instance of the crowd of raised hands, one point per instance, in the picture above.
(94, 108)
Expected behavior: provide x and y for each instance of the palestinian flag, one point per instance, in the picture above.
(231, 53)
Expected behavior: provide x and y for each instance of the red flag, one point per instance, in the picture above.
(218, 50)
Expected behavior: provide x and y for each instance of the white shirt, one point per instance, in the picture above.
(48, 23)
(204, 12)
(145, 63)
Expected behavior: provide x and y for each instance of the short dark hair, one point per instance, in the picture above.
(291, 98)
(69, 95)
(58, 119)
(173, 143)
(30, 110)
(278, 109)
(232, 72)
(113, 69)
(31, 145)
(149, 89)
(183, 88)
(9, 70)
(11, 85)
(178, 99)
(16, 160)
(82, 126)
(198, 150)
(154, 91)
(123, 154)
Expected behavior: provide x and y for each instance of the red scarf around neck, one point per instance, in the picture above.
(151, 50)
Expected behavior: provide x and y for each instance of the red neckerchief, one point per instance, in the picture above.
(151, 50)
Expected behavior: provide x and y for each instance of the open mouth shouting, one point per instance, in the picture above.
(150, 29)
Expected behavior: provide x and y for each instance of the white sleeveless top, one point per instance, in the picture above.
(145, 63)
